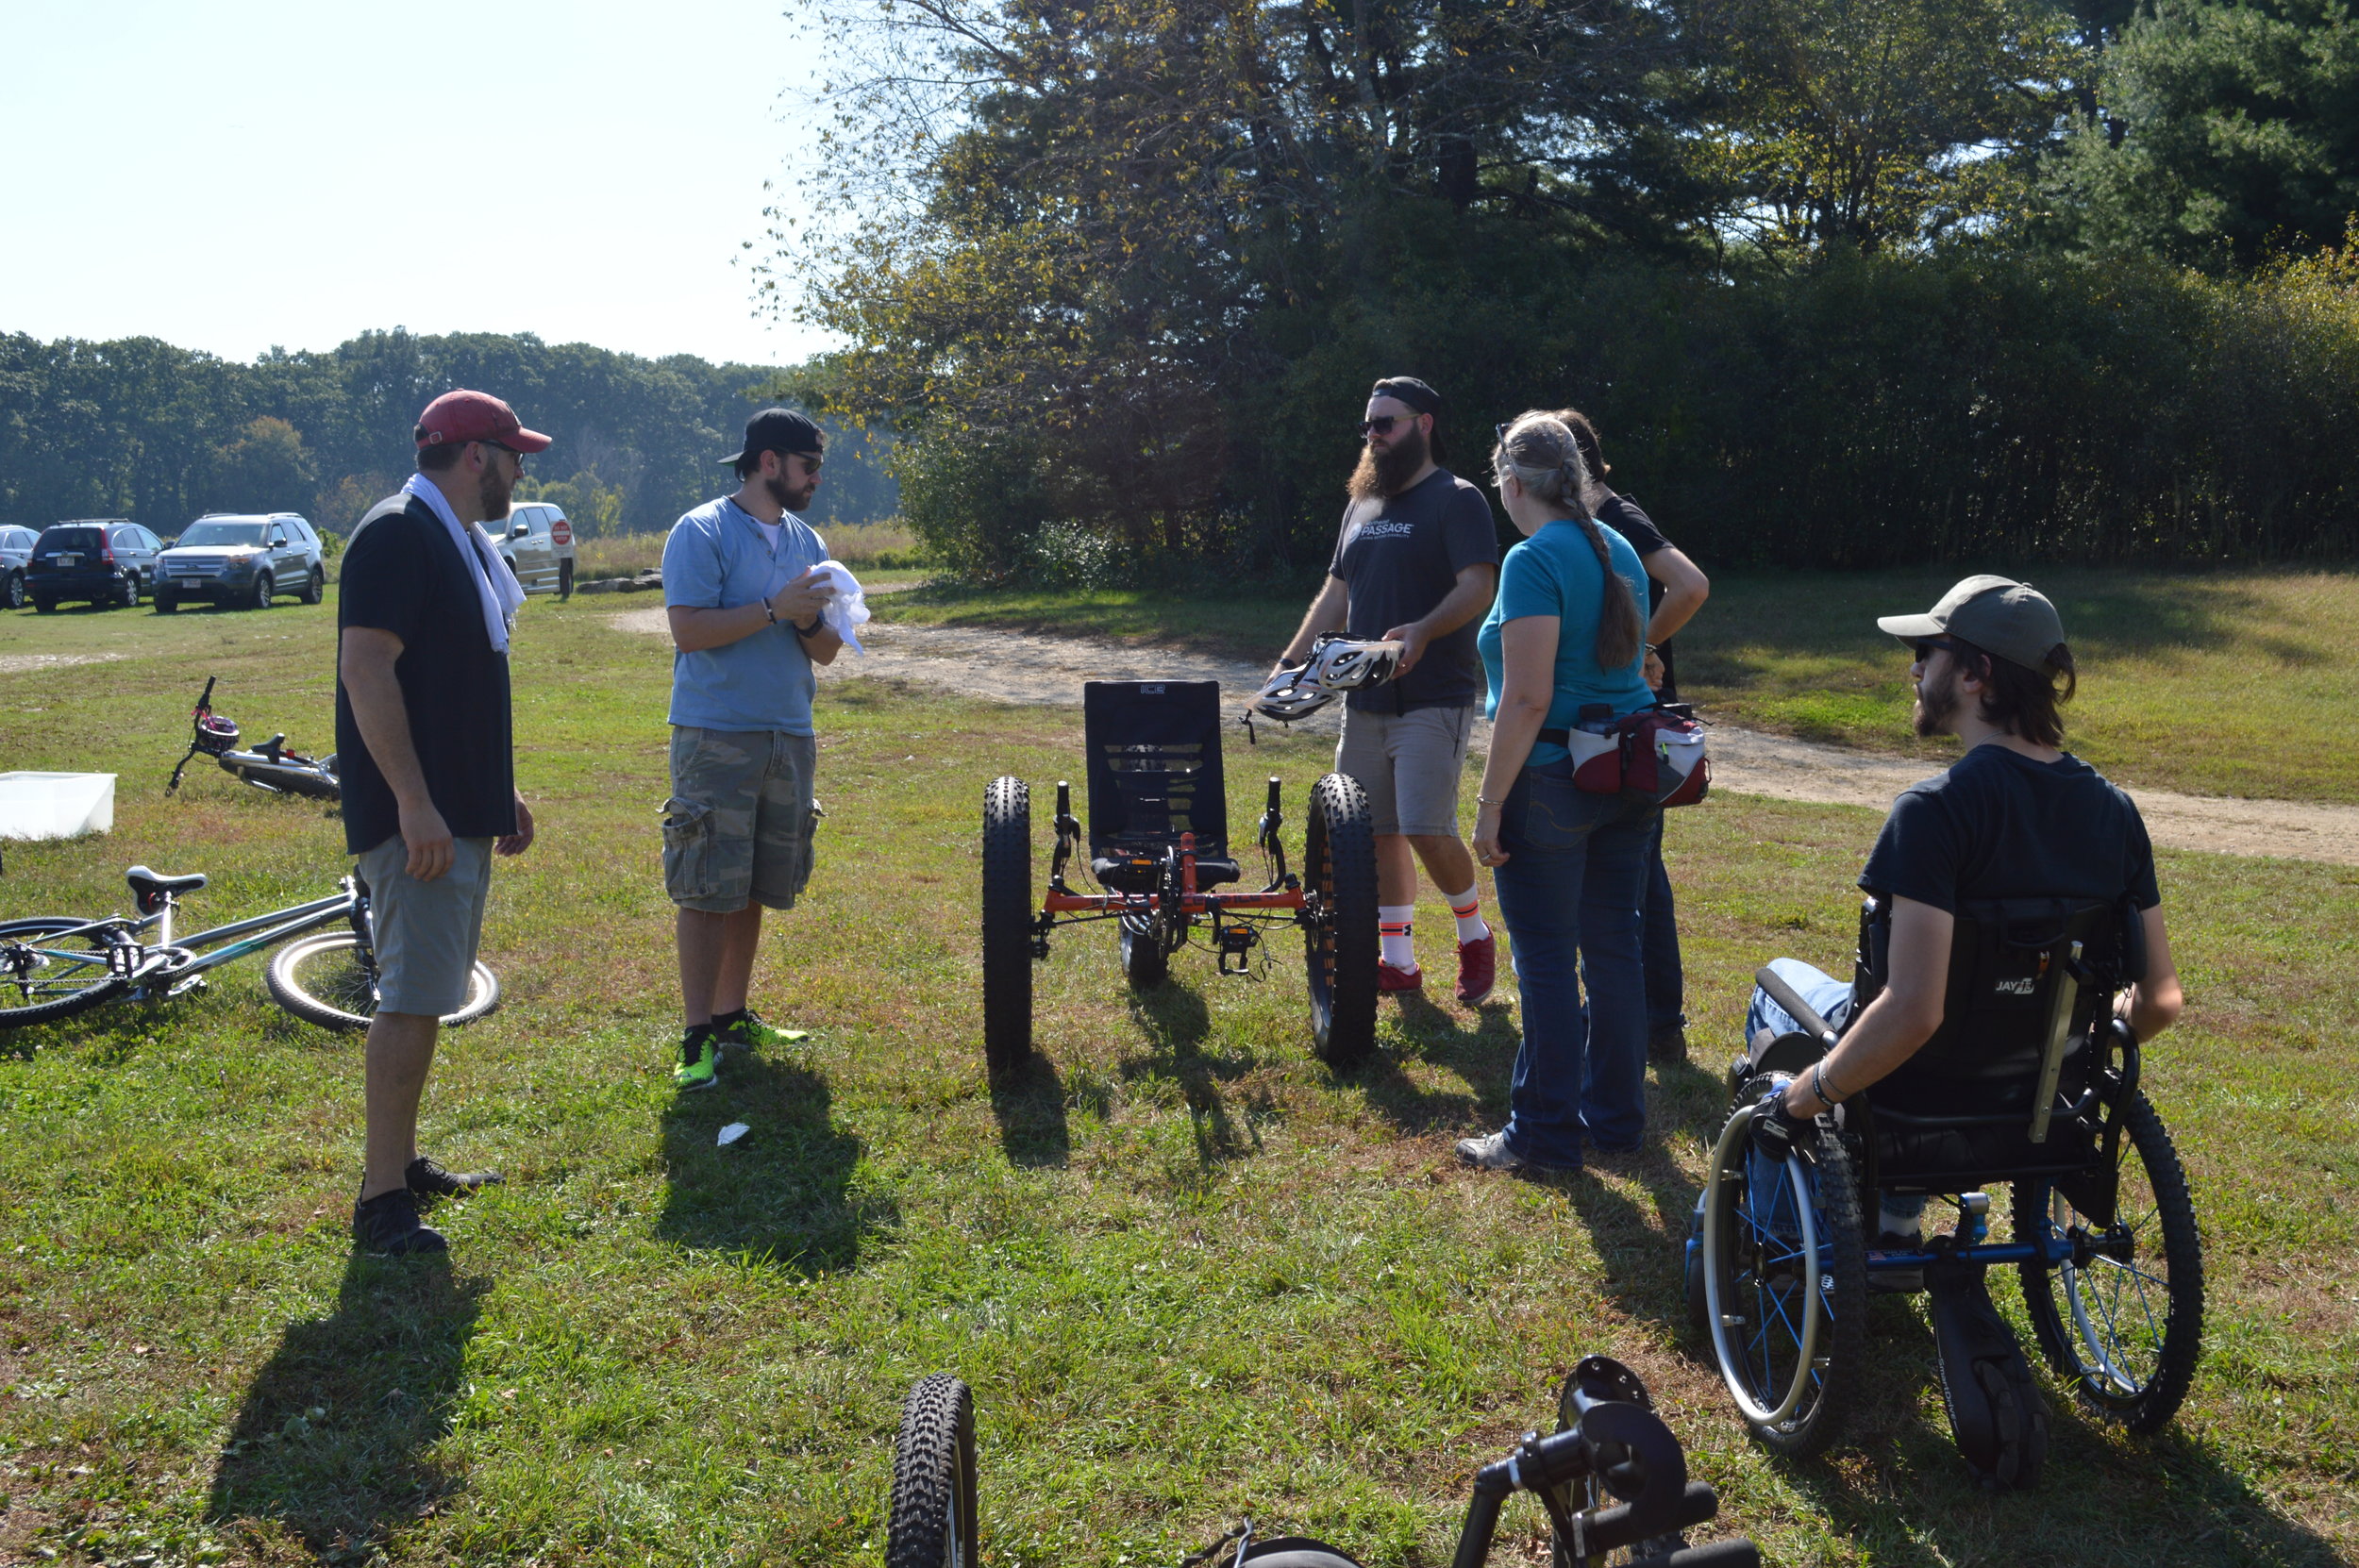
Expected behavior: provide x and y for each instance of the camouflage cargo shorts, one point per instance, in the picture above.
(738, 824)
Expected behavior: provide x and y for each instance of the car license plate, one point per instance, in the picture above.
(191, 582)
(69, 560)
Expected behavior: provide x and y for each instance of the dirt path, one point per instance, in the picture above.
(17, 664)
(1014, 668)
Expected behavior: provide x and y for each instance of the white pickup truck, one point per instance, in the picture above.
(539, 547)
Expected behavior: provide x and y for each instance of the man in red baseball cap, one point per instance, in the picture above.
(425, 747)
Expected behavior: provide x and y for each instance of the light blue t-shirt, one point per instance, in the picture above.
(717, 558)
(1555, 573)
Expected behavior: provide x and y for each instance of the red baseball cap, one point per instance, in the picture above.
(462, 415)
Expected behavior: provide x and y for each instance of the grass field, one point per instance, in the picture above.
(858, 545)
(2236, 684)
(1191, 1271)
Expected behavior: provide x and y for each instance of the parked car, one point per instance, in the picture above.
(16, 559)
(539, 548)
(102, 560)
(243, 558)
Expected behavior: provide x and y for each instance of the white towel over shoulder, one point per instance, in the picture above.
(847, 610)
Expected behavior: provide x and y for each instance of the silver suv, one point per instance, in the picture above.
(242, 558)
(16, 559)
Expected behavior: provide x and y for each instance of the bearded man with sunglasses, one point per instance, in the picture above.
(424, 746)
(1417, 561)
(2015, 817)
(748, 607)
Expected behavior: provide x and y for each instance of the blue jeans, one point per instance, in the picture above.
(1830, 1000)
(1570, 894)
(1658, 944)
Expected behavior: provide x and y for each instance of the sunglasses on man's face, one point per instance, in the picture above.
(1383, 424)
(1933, 645)
(509, 450)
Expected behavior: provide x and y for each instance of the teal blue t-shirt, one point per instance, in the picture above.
(1555, 573)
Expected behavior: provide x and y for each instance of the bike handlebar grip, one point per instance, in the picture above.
(207, 697)
(1739, 1553)
(1791, 1000)
(1064, 797)
(1273, 791)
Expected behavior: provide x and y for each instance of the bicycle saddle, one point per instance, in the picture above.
(272, 747)
(150, 889)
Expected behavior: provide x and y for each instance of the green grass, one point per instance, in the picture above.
(1191, 1273)
(2235, 683)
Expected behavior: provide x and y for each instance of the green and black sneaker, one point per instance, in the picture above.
(699, 1059)
(746, 1031)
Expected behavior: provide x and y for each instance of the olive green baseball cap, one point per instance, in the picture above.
(1998, 615)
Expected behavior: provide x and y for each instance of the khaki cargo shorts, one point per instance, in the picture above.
(1410, 763)
(738, 824)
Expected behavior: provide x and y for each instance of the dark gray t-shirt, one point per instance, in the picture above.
(1398, 558)
(1999, 825)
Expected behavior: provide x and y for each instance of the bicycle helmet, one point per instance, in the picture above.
(1343, 663)
(1291, 694)
(215, 734)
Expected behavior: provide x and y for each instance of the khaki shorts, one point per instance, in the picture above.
(738, 824)
(1410, 764)
(426, 933)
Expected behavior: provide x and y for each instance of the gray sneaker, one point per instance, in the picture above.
(1489, 1152)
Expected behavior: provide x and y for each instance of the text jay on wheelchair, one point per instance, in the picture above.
(2011, 961)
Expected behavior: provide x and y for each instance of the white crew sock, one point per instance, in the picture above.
(1392, 926)
(1466, 908)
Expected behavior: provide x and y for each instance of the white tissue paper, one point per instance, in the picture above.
(847, 611)
(731, 1133)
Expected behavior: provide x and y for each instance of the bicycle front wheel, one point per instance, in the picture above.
(331, 980)
(45, 973)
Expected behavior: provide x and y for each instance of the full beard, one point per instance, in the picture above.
(790, 497)
(1388, 471)
(1937, 705)
(493, 490)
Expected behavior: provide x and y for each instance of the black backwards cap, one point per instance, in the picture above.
(780, 431)
(1409, 389)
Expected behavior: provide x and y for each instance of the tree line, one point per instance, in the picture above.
(1842, 282)
(140, 428)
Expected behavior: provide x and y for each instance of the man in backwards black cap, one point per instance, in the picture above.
(1417, 560)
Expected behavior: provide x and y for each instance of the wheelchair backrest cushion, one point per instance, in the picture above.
(1154, 766)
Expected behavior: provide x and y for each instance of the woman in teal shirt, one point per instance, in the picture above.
(1563, 639)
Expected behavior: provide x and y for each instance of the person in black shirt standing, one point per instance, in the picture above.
(1416, 559)
(2014, 818)
(424, 750)
(1677, 588)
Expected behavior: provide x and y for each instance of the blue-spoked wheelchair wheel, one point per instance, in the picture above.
(2122, 1320)
(1785, 1285)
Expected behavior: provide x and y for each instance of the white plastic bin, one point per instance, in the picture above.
(56, 804)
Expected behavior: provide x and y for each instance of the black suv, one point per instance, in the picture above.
(105, 560)
(242, 558)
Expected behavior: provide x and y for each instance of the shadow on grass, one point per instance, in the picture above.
(1029, 1104)
(1172, 1024)
(332, 1439)
(784, 1192)
(1481, 1053)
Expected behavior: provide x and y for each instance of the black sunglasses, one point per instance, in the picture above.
(1926, 649)
(1383, 424)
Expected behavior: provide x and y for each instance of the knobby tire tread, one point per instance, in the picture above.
(1339, 857)
(933, 1478)
(1007, 924)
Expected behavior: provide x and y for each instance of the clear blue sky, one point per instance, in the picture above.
(236, 174)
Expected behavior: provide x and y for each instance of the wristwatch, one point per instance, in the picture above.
(812, 630)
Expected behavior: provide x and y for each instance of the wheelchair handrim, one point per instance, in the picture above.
(1731, 1147)
(2095, 1344)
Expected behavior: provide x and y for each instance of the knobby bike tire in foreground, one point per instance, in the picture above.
(2125, 1331)
(1340, 935)
(1008, 915)
(1785, 1280)
(327, 980)
(61, 979)
(932, 1523)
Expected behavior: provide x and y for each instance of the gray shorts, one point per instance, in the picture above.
(426, 933)
(1410, 764)
(738, 824)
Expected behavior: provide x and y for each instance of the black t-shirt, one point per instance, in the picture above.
(1621, 513)
(402, 573)
(1999, 825)
(1398, 558)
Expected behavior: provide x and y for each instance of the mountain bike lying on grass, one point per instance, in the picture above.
(269, 766)
(1611, 1476)
(53, 966)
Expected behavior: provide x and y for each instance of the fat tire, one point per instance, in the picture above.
(299, 972)
(2159, 1397)
(932, 1523)
(1145, 964)
(1007, 917)
(1340, 944)
(104, 986)
(1843, 1292)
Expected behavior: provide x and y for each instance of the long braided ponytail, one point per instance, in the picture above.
(1540, 450)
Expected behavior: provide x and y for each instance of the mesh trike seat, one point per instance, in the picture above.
(1154, 774)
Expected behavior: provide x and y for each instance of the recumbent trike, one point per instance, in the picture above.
(2031, 1083)
(1158, 858)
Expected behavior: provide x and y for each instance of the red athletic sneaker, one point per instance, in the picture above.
(1389, 978)
(1478, 969)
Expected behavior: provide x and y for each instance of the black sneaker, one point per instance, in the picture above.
(429, 1180)
(1668, 1044)
(387, 1225)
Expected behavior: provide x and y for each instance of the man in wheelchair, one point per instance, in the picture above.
(2012, 905)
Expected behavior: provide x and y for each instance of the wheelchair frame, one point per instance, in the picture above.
(1778, 1267)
